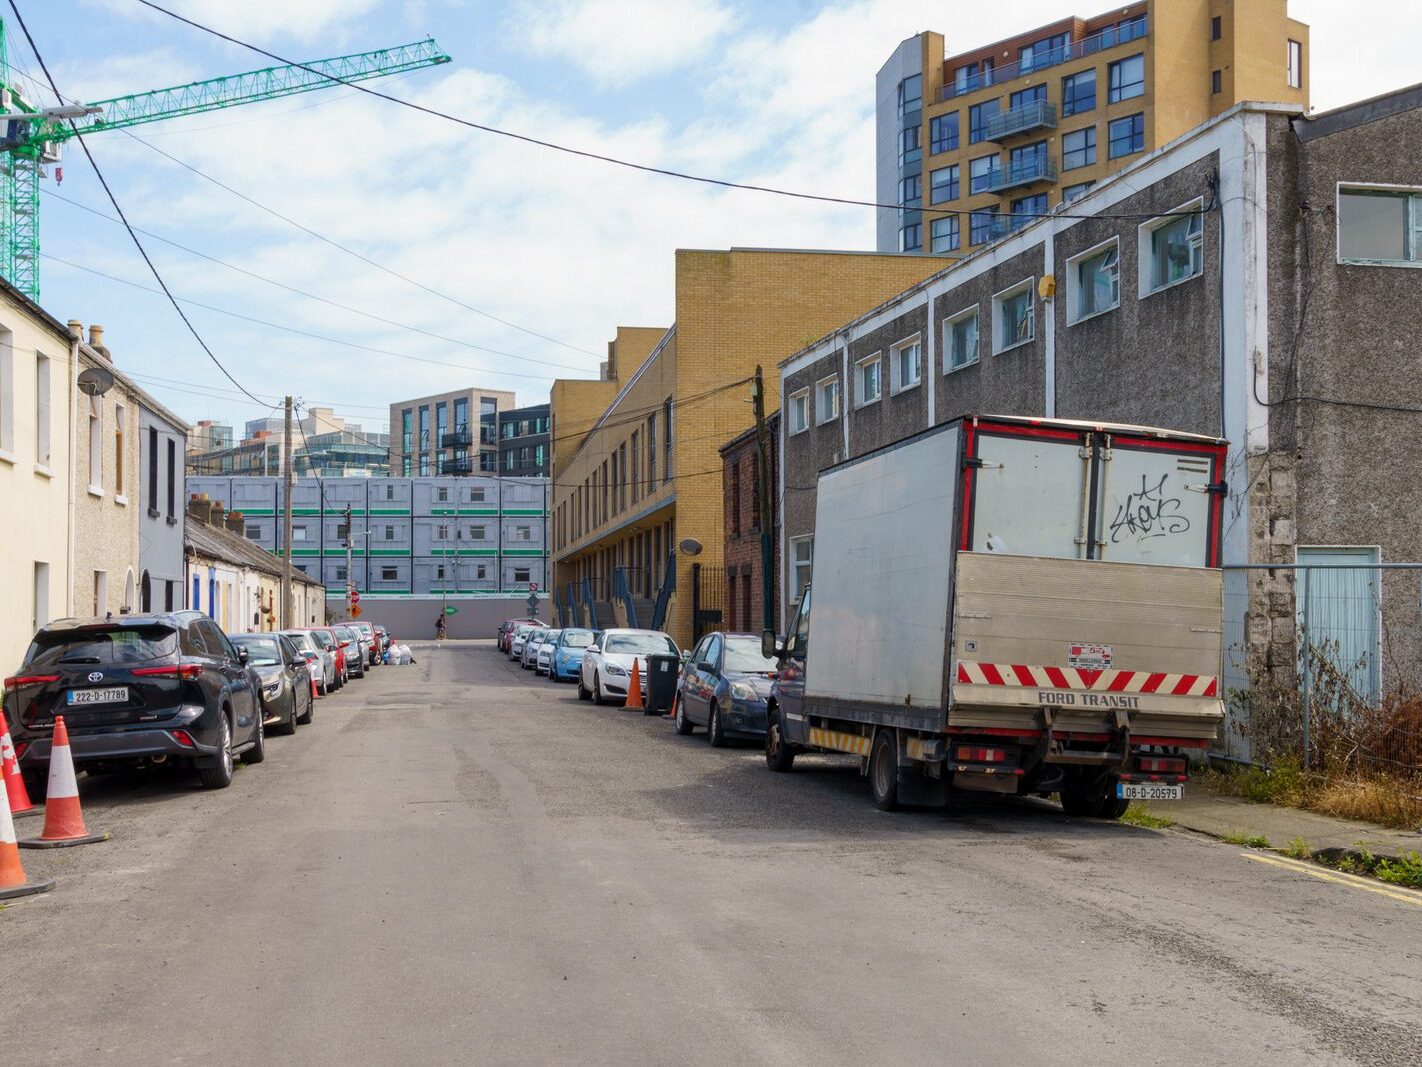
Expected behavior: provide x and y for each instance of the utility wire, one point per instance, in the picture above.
(14, 7)
(616, 161)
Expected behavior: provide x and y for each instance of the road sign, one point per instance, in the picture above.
(451, 610)
(532, 588)
(355, 597)
(532, 601)
(355, 611)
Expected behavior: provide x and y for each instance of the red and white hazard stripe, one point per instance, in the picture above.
(1098, 681)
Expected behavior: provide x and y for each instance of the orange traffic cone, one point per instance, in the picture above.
(675, 693)
(63, 818)
(19, 796)
(13, 882)
(634, 690)
(314, 693)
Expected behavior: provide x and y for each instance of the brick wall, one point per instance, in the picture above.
(744, 522)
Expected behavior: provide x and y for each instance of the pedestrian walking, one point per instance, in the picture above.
(439, 627)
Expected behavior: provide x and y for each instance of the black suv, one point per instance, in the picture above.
(137, 689)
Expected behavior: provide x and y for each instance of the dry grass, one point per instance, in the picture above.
(1380, 799)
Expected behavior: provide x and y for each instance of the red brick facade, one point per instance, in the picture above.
(744, 586)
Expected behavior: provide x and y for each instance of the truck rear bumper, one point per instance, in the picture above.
(1084, 711)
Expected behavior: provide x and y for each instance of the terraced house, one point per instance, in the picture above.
(1255, 279)
(975, 144)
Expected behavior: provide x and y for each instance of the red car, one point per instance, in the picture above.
(330, 642)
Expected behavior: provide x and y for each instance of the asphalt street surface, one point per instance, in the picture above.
(460, 863)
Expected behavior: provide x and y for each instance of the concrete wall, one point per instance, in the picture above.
(414, 619)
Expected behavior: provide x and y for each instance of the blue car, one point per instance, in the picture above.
(566, 659)
(724, 687)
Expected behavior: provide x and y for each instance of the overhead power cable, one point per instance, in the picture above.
(14, 7)
(646, 168)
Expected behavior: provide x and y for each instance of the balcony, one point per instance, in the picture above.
(1122, 33)
(1029, 171)
(461, 438)
(1029, 118)
(462, 465)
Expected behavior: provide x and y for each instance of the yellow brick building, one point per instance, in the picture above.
(636, 469)
(975, 144)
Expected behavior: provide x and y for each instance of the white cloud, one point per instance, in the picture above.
(619, 41)
(256, 20)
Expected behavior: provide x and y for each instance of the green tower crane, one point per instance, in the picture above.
(33, 137)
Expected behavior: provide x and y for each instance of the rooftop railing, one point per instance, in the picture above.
(1121, 33)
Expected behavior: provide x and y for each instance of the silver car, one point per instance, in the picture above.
(520, 638)
(320, 661)
(528, 659)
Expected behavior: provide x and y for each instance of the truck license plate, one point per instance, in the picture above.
(1144, 791)
(111, 695)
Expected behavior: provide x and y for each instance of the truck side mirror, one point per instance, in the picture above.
(769, 648)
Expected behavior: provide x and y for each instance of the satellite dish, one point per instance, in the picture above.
(95, 381)
(690, 547)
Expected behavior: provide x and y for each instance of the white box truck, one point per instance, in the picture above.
(1012, 605)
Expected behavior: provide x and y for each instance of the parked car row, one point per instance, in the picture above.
(173, 688)
(723, 685)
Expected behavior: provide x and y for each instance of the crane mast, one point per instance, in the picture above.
(33, 136)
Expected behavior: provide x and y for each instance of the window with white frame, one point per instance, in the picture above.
(476, 495)
(523, 533)
(442, 493)
(523, 574)
(389, 574)
(389, 533)
(1380, 226)
(1093, 281)
(1014, 317)
(44, 446)
(826, 400)
(1172, 249)
(441, 533)
(960, 340)
(802, 555)
(298, 533)
(1295, 64)
(869, 380)
(798, 415)
(905, 365)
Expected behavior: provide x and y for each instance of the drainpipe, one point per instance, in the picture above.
(76, 335)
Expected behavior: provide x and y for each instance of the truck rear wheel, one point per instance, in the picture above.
(884, 770)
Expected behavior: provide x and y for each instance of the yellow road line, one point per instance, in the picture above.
(1350, 880)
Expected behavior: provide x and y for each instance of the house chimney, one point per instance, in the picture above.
(96, 342)
(236, 523)
(219, 514)
(76, 329)
(200, 507)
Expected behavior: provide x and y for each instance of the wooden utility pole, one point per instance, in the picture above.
(286, 619)
(767, 523)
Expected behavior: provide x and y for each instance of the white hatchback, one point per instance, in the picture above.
(607, 663)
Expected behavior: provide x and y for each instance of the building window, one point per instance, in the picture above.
(389, 574)
(910, 94)
(407, 430)
(802, 556)
(1079, 93)
(1125, 79)
(1079, 148)
(905, 365)
(1093, 282)
(476, 494)
(1028, 209)
(909, 151)
(1036, 94)
(424, 429)
(1014, 317)
(424, 466)
(981, 225)
(523, 533)
(340, 572)
(911, 238)
(96, 444)
(43, 434)
(869, 380)
(1173, 249)
(1216, 28)
(120, 425)
(481, 571)
(944, 233)
(799, 414)
(1295, 64)
(667, 471)
(298, 533)
(943, 184)
(983, 172)
(254, 532)
(1380, 226)
(735, 495)
(1126, 136)
(911, 191)
(960, 339)
(943, 133)
(1047, 52)
(979, 115)
(442, 494)
(478, 533)
(1216, 83)
(153, 470)
(523, 574)
(441, 532)
(826, 401)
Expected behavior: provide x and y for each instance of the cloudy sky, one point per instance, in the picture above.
(778, 94)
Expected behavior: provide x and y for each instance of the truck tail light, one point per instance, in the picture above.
(20, 681)
(973, 754)
(185, 671)
(1162, 764)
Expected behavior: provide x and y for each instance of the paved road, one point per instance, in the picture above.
(459, 864)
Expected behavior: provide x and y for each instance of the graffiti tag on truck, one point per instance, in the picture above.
(1148, 513)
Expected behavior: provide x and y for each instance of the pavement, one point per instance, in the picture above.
(1230, 816)
(460, 863)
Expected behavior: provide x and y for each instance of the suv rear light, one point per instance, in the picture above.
(19, 681)
(187, 671)
(970, 754)
(1161, 764)
(21, 747)
(183, 738)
